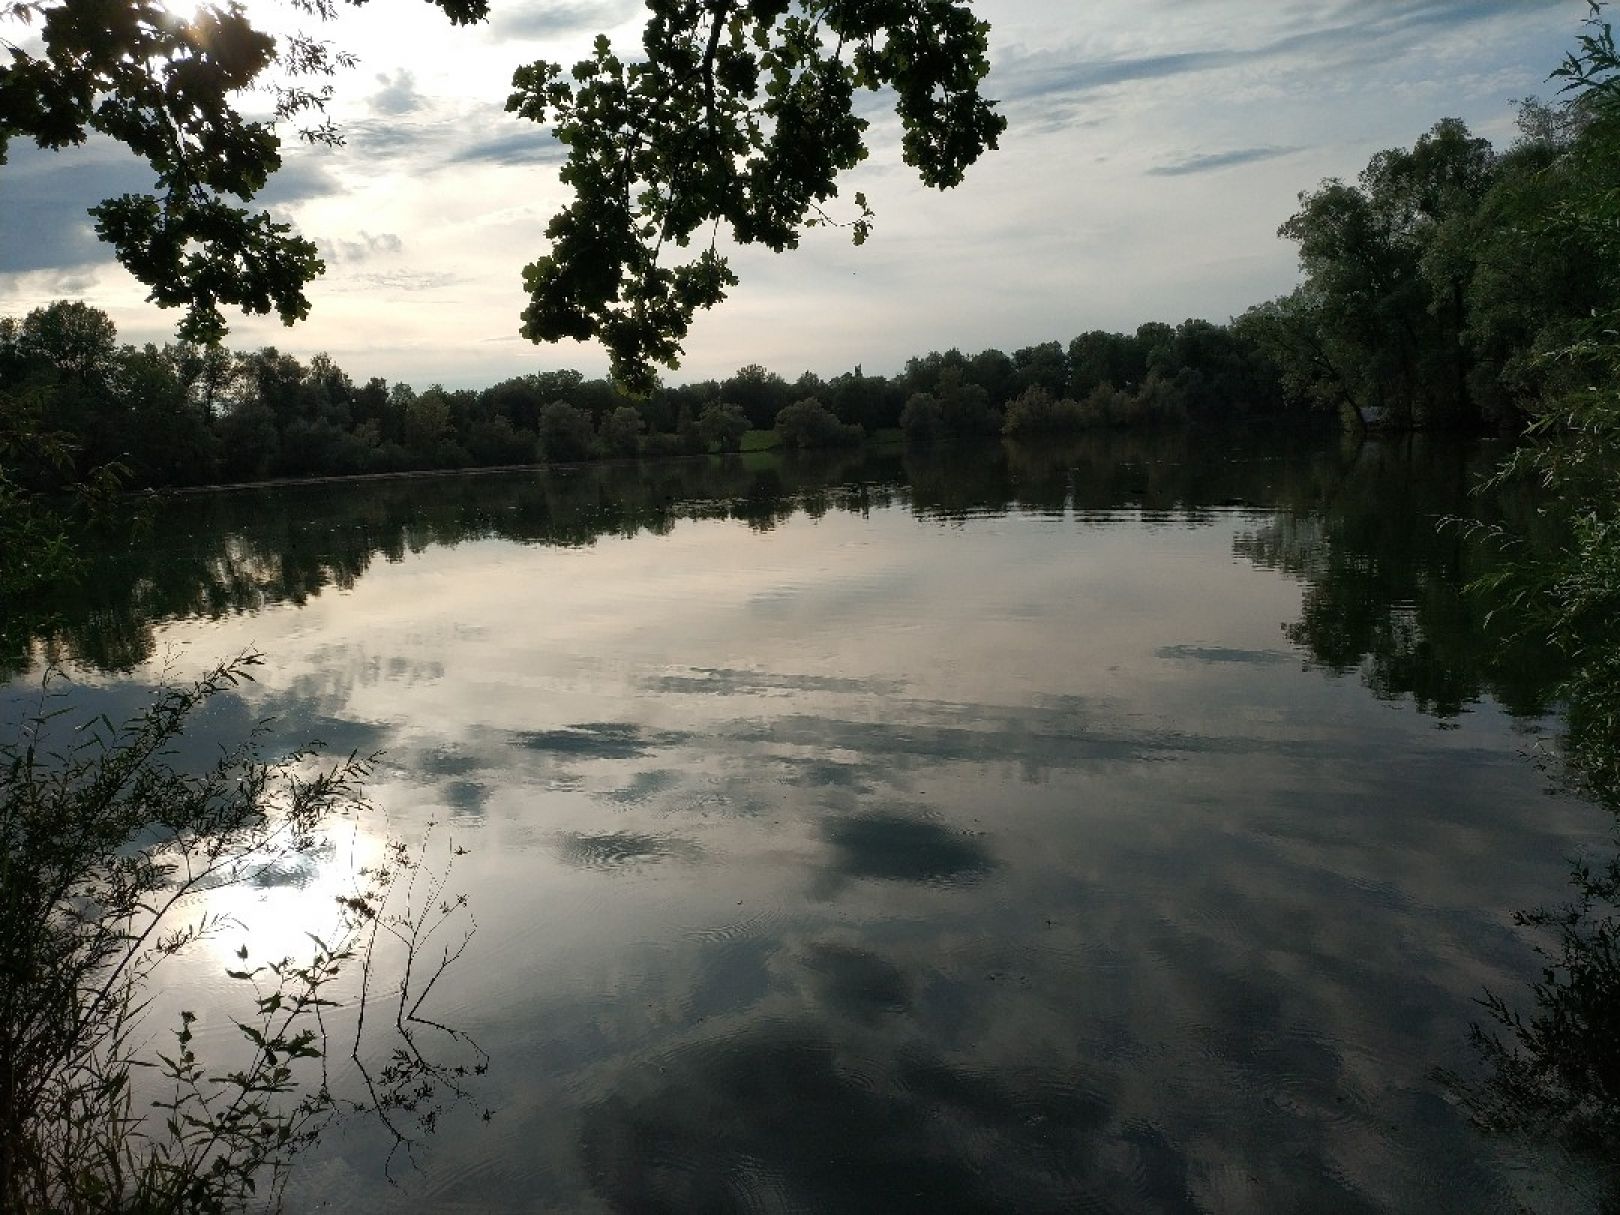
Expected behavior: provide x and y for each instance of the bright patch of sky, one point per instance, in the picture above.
(1154, 148)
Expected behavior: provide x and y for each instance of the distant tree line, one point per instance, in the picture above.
(181, 414)
(1433, 293)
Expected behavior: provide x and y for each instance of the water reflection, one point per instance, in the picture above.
(919, 831)
(898, 848)
(1358, 526)
(1385, 579)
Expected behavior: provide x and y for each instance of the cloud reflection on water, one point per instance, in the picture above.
(931, 900)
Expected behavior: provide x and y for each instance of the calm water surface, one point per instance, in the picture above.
(1125, 828)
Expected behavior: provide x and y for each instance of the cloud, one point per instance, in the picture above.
(46, 196)
(302, 177)
(540, 19)
(409, 280)
(398, 95)
(432, 136)
(1350, 33)
(905, 1128)
(369, 245)
(897, 848)
(599, 740)
(1211, 161)
(721, 681)
(522, 147)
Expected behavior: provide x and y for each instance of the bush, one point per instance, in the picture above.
(1036, 411)
(620, 431)
(809, 423)
(103, 842)
(723, 426)
(565, 433)
(922, 420)
(493, 441)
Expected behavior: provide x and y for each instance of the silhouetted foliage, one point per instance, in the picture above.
(1554, 1059)
(1436, 285)
(723, 426)
(809, 423)
(106, 841)
(741, 113)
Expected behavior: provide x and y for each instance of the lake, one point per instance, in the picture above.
(1126, 826)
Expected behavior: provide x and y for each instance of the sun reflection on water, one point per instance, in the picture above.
(290, 903)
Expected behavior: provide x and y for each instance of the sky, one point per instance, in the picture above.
(1153, 148)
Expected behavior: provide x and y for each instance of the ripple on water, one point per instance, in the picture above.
(757, 924)
(621, 850)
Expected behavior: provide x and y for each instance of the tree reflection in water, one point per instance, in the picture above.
(1384, 601)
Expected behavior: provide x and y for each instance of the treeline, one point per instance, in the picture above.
(1446, 287)
(1434, 293)
(180, 414)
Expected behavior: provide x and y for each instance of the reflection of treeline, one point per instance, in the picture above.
(1386, 577)
(219, 554)
(1383, 589)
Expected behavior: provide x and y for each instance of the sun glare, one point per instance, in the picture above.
(276, 915)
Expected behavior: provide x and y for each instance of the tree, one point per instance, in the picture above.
(1036, 411)
(565, 432)
(1391, 259)
(1044, 366)
(758, 392)
(1554, 1065)
(737, 112)
(722, 426)
(168, 87)
(72, 339)
(620, 431)
(1099, 357)
(922, 419)
(809, 423)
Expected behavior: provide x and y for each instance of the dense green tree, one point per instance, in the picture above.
(965, 408)
(494, 441)
(249, 443)
(1043, 366)
(166, 438)
(1036, 411)
(758, 392)
(922, 373)
(993, 371)
(923, 419)
(1555, 1057)
(565, 432)
(621, 430)
(1390, 261)
(722, 426)
(71, 339)
(1099, 357)
(809, 424)
(872, 402)
(429, 433)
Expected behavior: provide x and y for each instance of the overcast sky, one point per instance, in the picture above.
(1154, 147)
